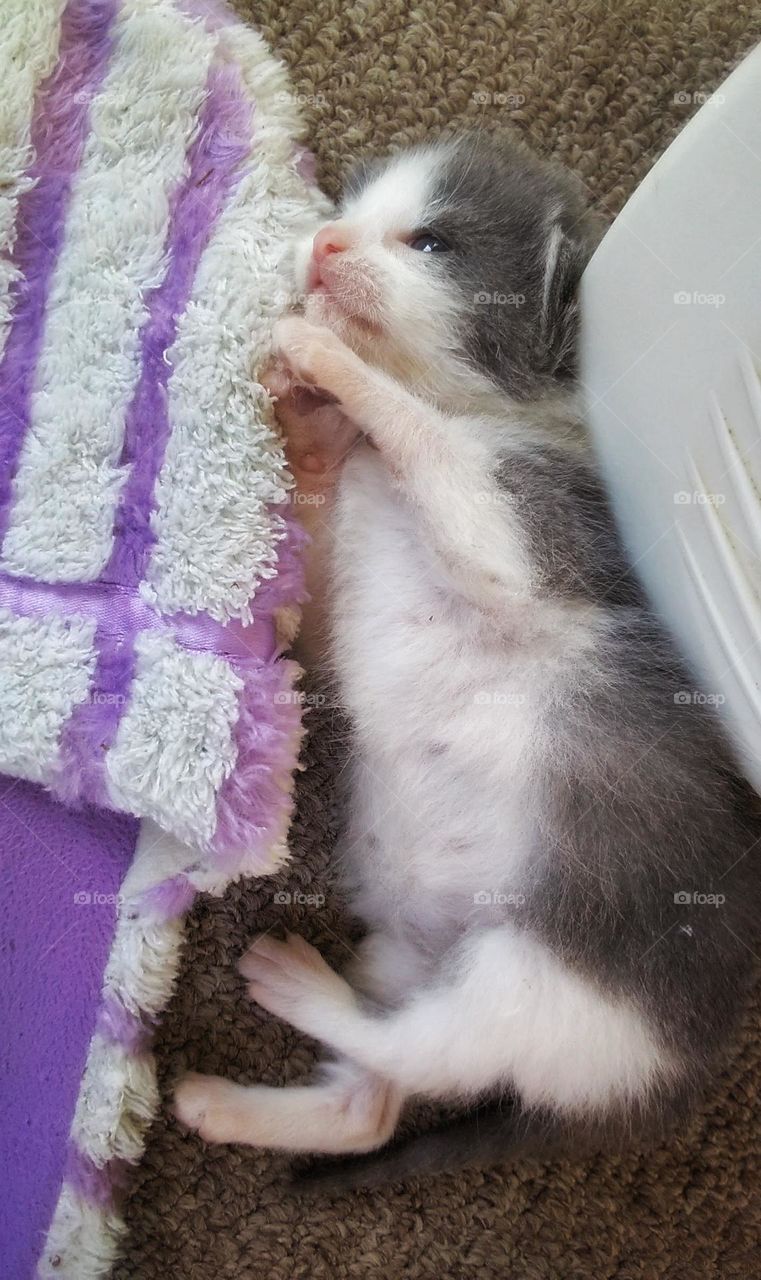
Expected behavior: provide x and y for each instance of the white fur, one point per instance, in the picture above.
(45, 672)
(447, 654)
(351, 1109)
(506, 1014)
(554, 243)
(394, 204)
(68, 481)
(440, 639)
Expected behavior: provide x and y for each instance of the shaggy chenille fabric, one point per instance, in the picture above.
(150, 184)
(604, 86)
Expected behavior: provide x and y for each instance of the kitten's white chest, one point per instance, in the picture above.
(442, 722)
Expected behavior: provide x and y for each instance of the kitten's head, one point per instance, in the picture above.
(455, 266)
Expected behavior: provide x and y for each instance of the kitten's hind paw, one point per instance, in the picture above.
(291, 980)
(209, 1105)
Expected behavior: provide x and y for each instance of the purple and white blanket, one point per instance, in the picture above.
(150, 187)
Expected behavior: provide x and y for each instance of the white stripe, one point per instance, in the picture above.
(115, 1082)
(175, 744)
(28, 52)
(143, 119)
(45, 672)
(83, 1240)
(223, 462)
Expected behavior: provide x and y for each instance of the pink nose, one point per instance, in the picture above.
(330, 239)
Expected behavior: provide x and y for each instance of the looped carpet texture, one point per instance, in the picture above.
(604, 87)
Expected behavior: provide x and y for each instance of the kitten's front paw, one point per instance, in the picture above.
(291, 980)
(314, 353)
(276, 378)
(210, 1106)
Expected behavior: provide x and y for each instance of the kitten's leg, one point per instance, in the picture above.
(318, 438)
(512, 1013)
(349, 1110)
(386, 968)
(445, 466)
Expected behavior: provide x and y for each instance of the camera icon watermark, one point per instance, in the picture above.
(697, 98)
(698, 698)
(286, 298)
(494, 298)
(498, 898)
(688, 897)
(498, 698)
(298, 698)
(695, 298)
(683, 498)
(486, 98)
(495, 498)
(93, 898)
(307, 499)
(295, 897)
(302, 99)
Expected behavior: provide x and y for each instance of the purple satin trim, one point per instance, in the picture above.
(121, 612)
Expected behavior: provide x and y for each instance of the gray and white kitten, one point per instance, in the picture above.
(532, 809)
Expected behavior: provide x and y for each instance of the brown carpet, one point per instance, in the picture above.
(595, 84)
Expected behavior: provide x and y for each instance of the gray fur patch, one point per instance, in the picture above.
(519, 237)
(561, 504)
(647, 878)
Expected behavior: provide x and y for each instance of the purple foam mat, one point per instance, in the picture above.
(60, 875)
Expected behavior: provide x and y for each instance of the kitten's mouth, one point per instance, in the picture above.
(330, 306)
(339, 302)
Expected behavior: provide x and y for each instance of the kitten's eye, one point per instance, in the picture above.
(427, 242)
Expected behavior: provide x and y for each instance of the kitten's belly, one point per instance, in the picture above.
(428, 858)
(442, 723)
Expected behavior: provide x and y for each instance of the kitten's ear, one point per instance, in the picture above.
(569, 246)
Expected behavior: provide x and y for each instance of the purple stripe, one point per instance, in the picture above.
(214, 165)
(117, 1024)
(214, 13)
(286, 586)
(90, 731)
(121, 612)
(59, 129)
(254, 800)
(95, 1183)
(169, 899)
